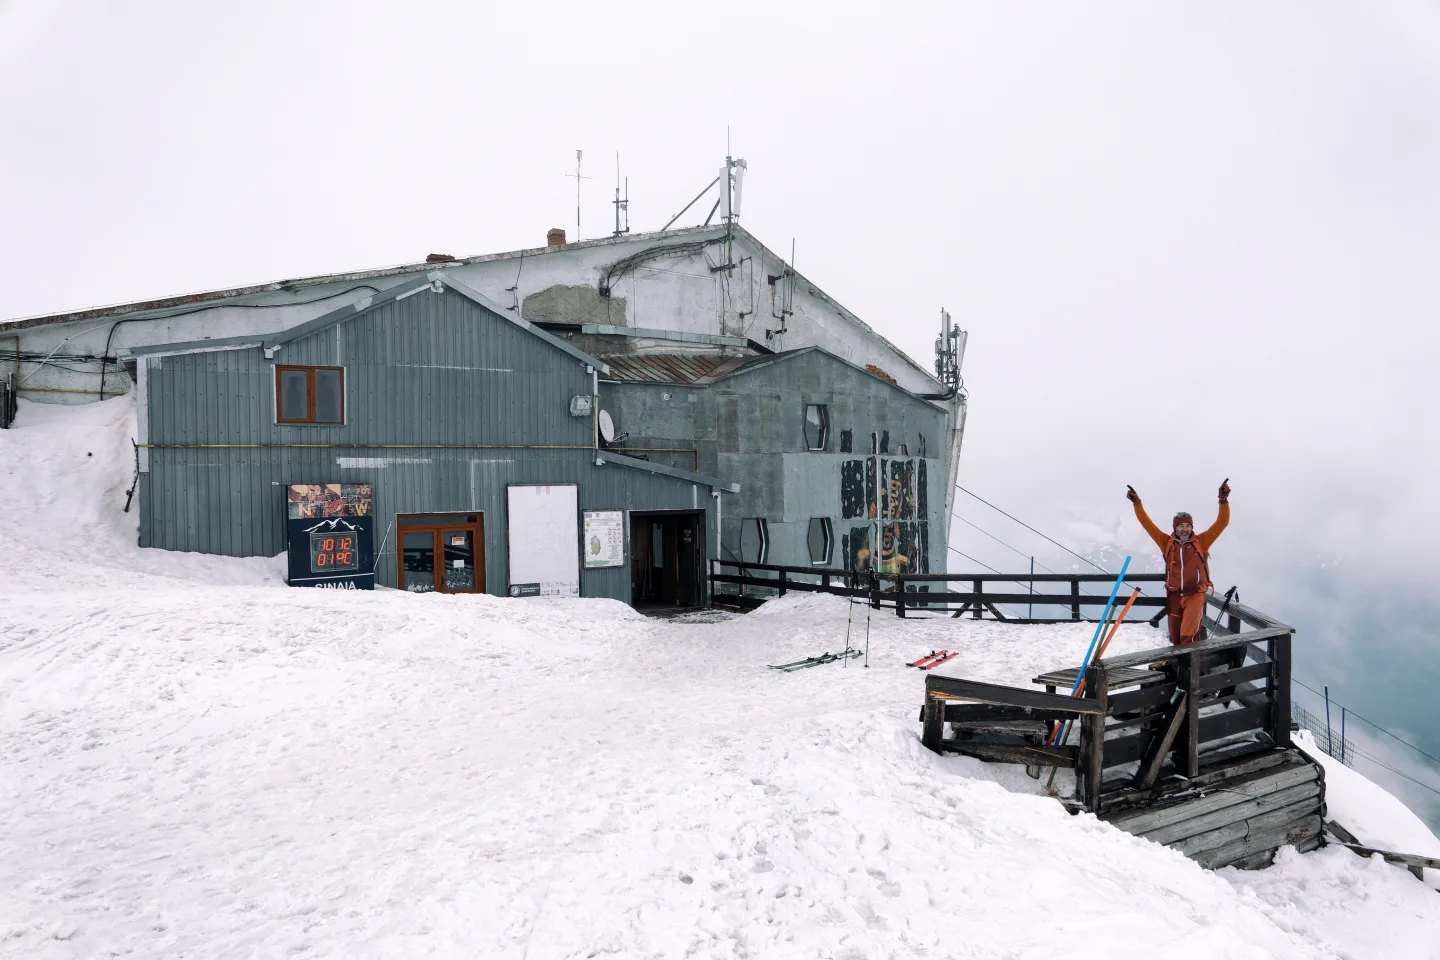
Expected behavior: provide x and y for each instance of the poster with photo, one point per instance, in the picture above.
(315, 500)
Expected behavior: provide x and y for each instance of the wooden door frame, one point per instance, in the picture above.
(477, 541)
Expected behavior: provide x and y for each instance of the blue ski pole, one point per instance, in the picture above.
(1085, 664)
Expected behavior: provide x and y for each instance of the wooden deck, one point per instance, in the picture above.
(1186, 746)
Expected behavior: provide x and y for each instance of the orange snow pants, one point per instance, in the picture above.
(1185, 610)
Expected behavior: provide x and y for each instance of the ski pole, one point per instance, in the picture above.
(871, 585)
(850, 615)
(1085, 663)
(1224, 607)
(1114, 629)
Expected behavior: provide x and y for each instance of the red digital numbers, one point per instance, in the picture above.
(333, 552)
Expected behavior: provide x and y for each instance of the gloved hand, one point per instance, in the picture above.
(1134, 497)
(1225, 489)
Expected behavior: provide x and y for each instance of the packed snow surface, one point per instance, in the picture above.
(196, 760)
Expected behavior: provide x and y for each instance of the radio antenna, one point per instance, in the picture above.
(622, 205)
(578, 178)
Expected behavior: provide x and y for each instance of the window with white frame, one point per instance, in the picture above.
(754, 540)
(817, 426)
(820, 541)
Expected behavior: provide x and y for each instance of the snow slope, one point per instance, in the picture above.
(195, 761)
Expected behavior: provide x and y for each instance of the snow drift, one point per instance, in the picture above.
(196, 760)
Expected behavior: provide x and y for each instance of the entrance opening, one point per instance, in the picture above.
(667, 559)
(441, 553)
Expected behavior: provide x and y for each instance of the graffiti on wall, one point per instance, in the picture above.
(890, 497)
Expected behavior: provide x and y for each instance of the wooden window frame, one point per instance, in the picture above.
(436, 524)
(309, 418)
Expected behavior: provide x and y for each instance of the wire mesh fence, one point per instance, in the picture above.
(1327, 737)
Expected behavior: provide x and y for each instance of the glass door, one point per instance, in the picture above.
(442, 553)
(459, 551)
(417, 567)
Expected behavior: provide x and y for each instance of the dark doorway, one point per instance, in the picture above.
(442, 553)
(667, 559)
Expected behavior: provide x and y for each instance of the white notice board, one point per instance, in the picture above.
(604, 540)
(542, 539)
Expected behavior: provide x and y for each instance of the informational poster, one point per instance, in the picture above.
(604, 539)
(330, 531)
(542, 538)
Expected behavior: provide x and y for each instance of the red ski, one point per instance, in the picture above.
(944, 657)
(924, 662)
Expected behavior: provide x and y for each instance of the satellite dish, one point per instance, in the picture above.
(607, 427)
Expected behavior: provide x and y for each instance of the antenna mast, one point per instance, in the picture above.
(578, 178)
(621, 205)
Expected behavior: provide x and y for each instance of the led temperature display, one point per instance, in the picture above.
(333, 552)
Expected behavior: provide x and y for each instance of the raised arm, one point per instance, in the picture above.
(1160, 537)
(1222, 520)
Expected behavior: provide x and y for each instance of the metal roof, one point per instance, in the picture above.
(670, 367)
(241, 295)
(714, 483)
(436, 279)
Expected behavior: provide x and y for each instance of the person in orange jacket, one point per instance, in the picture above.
(1187, 564)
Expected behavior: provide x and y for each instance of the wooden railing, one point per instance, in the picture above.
(1176, 712)
(907, 593)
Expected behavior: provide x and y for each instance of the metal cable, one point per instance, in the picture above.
(1352, 713)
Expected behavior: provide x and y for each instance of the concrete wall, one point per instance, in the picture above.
(443, 399)
(750, 427)
(677, 291)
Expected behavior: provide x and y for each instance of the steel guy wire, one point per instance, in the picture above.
(1372, 723)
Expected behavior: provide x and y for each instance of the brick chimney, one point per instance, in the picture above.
(555, 237)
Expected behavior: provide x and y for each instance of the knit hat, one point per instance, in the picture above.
(1182, 515)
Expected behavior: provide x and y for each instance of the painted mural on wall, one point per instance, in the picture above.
(890, 498)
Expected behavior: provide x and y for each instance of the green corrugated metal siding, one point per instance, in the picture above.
(430, 369)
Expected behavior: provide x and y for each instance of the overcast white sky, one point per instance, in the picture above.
(1190, 241)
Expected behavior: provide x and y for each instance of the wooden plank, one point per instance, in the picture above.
(1226, 756)
(1072, 600)
(1230, 722)
(1105, 578)
(1154, 757)
(1120, 796)
(1241, 810)
(1150, 696)
(1052, 756)
(982, 712)
(1280, 716)
(1226, 793)
(934, 724)
(1123, 677)
(1171, 653)
(1233, 678)
(954, 688)
(1402, 859)
(1299, 832)
(1030, 729)
(1097, 683)
(1187, 756)
(1261, 824)
(1122, 750)
(1130, 721)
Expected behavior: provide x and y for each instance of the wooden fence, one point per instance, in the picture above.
(927, 593)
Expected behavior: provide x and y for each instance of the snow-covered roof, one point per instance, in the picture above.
(364, 305)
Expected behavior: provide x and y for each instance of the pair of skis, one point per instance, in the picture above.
(815, 661)
(934, 660)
